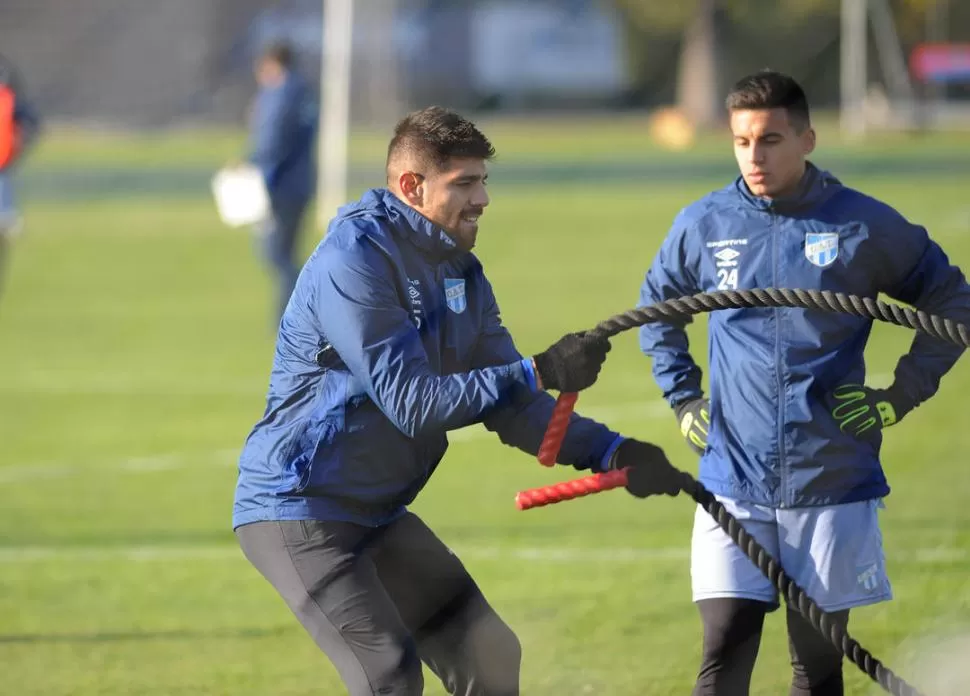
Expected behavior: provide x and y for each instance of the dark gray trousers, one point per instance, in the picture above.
(279, 247)
(380, 601)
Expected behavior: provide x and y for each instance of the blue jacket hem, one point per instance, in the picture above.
(815, 499)
(312, 509)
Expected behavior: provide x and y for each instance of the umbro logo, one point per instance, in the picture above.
(727, 256)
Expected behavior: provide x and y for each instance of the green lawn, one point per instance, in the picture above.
(134, 353)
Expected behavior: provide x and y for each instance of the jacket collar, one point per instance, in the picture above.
(407, 223)
(816, 186)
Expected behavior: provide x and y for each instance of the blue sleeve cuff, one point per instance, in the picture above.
(605, 461)
(530, 374)
(683, 395)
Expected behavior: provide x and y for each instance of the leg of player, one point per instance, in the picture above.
(732, 596)
(458, 634)
(325, 576)
(835, 554)
(816, 664)
(9, 223)
(280, 248)
(4, 253)
(732, 636)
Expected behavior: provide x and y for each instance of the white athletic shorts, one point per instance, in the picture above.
(834, 553)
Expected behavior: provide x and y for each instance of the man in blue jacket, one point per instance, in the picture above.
(392, 338)
(790, 436)
(283, 123)
(19, 126)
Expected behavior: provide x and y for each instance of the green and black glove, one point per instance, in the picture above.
(862, 411)
(694, 418)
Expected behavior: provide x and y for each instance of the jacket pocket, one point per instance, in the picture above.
(320, 427)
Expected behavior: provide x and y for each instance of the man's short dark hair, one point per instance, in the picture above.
(434, 135)
(279, 52)
(768, 89)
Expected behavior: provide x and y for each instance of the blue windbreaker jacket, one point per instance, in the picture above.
(283, 127)
(772, 439)
(414, 347)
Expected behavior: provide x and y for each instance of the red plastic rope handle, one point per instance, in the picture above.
(567, 490)
(556, 430)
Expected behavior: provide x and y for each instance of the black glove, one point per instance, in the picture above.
(862, 412)
(694, 418)
(649, 470)
(572, 363)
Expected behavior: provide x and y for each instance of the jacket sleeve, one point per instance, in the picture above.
(521, 421)
(673, 274)
(363, 318)
(919, 273)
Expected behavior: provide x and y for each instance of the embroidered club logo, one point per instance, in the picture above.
(868, 577)
(822, 248)
(455, 294)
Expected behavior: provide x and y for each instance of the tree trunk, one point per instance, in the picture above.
(698, 78)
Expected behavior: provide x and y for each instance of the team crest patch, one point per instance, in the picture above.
(455, 294)
(822, 248)
(868, 577)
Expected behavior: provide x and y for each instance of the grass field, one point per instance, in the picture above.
(134, 353)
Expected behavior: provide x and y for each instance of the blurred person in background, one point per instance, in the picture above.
(790, 437)
(283, 125)
(19, 125)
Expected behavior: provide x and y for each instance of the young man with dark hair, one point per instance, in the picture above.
(283, 125)
(790, 436)
(391, 339)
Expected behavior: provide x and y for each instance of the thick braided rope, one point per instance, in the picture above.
(795, 596)
(678, 309)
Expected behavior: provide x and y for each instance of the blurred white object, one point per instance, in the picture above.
(241, 196)
(936, 662)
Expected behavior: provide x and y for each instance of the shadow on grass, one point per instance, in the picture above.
(126, 636)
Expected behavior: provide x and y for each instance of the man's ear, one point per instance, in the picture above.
(808, 141)
(412, 187)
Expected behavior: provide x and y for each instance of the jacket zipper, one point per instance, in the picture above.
(782, 466)
(442, 315)
(779, 372)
